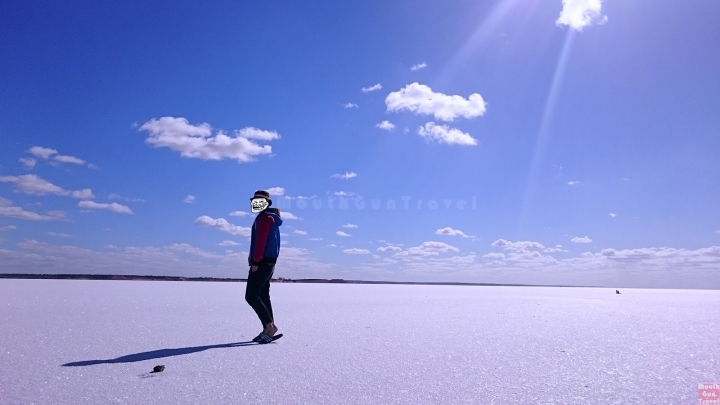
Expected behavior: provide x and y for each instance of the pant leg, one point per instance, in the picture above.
(265, 293)
(255, 284)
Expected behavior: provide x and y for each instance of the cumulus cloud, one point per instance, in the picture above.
(612, 214)
(47, 153)
(34, 185)
(451, 232)
(196, 141)
(349, 226)
(239, 214)
(583, 239)
(344, 193)
(316, 239)
(578, 14)
(7, 227)
(350, 105)
(275, 191)
(223, 225)
(114, 207)
(28, 162)
(332, 245)
(347, 175)
(341, 233)
(299, 232)
(69, 159)
(445, 134)
(371, 88)
(355, 251)
(420, 99)
(288, 215)
(7, 209)
(389, 249)
(575, 183)
(386, 125)
(189, 199)
(228, 243)
(42, 153)
(426, 249)
(419, 66)
(519, 245)
(494, 256)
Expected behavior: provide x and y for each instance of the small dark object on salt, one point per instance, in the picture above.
(617, 292)
(158, 369)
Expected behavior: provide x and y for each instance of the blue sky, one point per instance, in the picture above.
(582, 136)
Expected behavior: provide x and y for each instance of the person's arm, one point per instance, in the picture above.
(264, 225)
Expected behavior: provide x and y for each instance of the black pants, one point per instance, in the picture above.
(257, 292)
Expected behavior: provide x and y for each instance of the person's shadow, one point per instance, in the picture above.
(156, 354)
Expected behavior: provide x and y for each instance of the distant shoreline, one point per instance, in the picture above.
(280, 280)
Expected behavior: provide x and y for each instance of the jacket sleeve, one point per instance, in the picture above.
(264, 226)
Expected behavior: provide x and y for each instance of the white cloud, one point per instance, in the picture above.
(350, 105)
(332, 245)
(7, 227)
(32, 184)
(718, 231)
(581, 13)
(451, 232)
(228, 243)
(195, 141)
(114, 207)
(189, 199)
(418, 66)
(344, 193)
(299, 232)
(223, 225)
(355, 251)
(341, 233)
(347, 175)
(445, 134)
(7, 209)
(28, 162)
(275, 191)
(426, 249)
(288, 215)
(575, 183)
(583, 239)
(494, 256)
(349, 226)
(420, 99)
(59, 235)
(68, 159)
(316, 239)
(517, 246)
(42, 153)
(371, 88)
(389, 249)
(255, 133)
(612, 214)
(386, 125)
(83, 194)
(45, 153)
(239, 214)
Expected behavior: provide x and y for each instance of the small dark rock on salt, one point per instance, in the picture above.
(158, 369)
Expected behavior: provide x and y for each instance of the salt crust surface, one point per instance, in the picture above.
(95, 342)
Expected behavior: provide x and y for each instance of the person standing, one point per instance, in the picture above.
(264, 251)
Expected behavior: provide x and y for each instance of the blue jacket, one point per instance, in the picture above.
(265, 241)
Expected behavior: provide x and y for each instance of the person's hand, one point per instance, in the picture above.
(253, 268)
